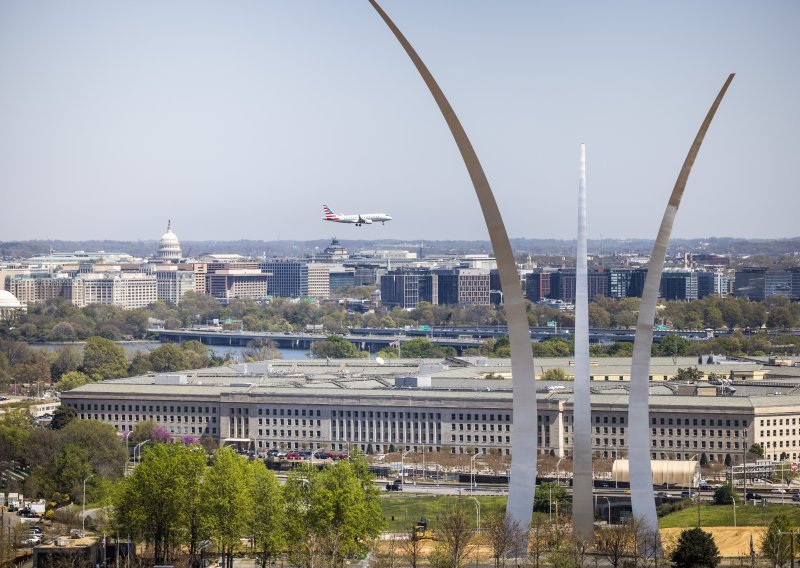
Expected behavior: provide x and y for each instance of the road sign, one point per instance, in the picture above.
(552, 323)
(794, 466)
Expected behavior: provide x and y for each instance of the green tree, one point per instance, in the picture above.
(227, 500)
(695, 549)
(72, 380)
(15, 430)
(66, 360)
(422, 348)
(106, 452)
(598, 316)
(672, 346)
(689, 374)
(150, 504)
(775, 546)
(724, 495)
(62, 416)
(757, 450)
(168, 358)
(267, 515)
(103, 359)
(336, 347)
(548, 493)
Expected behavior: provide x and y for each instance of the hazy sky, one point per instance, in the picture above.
(240, 119)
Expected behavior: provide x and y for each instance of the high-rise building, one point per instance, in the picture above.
(750, 283)
(173, 283)
(537, 284)
(36, 287)
(319, 280)
(406, 288)
(288, 277)
(679, 285)
(712, 284)
(463, 286)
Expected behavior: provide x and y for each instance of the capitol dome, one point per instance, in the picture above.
(9, 305)
(169, 248)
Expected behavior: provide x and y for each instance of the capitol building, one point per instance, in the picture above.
(169, 248)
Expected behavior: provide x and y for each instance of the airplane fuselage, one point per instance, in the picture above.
(357, 220)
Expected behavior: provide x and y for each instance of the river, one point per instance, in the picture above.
(131, 347)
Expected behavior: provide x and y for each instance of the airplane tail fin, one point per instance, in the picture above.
(329, 215)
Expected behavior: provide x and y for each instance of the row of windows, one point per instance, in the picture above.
(506, 417)
(146, 408)
(481, 439)
(491, 427)
(778, 422)
(694, 444)
(695, 431)
(766, 433)
(719, 422)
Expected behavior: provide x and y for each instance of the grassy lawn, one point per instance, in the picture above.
(407, 509)
(722, 516)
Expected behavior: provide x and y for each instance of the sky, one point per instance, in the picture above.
(240, 119)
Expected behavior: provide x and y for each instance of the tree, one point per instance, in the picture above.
(411, 546)
(262, 350)
(695, 549)
(554, 374)
(505, 536)
(227, 500)
(724, 495)
(106, 452)
(66, 360)
(103, 359)
(703, 460)
(672, 346)
(757, 450)
(331, 514)
(615, 543)
(72, 380)
(548, 494)
(775, 546)
(336, 347)
(455, 537)
(689, 375)
(267, 515)
(151, 502)
(62, 416)
(598, 316)
(168, 358)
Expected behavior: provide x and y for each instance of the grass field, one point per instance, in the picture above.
(407, 509)
(722, 516)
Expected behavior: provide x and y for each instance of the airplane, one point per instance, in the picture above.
(359, 219)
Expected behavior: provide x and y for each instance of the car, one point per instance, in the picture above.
(778, 491)
(31, 539)
(751, 496)
(280, 455)
(664, 494)
(293, 456)
(796, 497)
(688, 494)
(272, 454)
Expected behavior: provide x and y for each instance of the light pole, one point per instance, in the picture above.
(403, 467)
(83, 506)
(138, 448)
(608, 501)
(733, 500)
(472, 473)
(477, 512)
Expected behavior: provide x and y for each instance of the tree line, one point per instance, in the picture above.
(97, 359)
(176, 499)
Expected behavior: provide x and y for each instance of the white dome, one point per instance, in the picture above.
(169, 248)
(9, 300)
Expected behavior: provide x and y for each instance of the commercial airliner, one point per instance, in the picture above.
(359, 219)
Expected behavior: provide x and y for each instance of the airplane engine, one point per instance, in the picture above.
(367, 221)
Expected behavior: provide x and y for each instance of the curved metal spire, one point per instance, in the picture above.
(582, 506)
(641, 476)
(524, 434)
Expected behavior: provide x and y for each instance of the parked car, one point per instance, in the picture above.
(778, 491)
(688, 494)
(293, 456)
(753, 496)
(796, 497)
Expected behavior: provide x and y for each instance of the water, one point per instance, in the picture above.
(131, 347)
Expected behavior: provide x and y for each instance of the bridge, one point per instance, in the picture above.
(375, 339)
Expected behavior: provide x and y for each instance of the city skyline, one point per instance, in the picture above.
(241, 121)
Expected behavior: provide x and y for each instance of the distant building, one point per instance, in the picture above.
(35, 287)
(406, 288)
(626, 282)
(319, 280)
(759, 283)
(126, 290)
(342, 278)
(679, 285)
(537, 284)
(463, 286)
(562, 285)
(169, 248)
(173, 283)
(712, 284)
(10, 307)
(334, 252)
(289, 277)
(246, 283)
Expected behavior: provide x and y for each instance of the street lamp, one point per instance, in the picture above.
(472, 473)
(477, 512)
(138, 448)
(83, 512)
(403, 467)
(609, 509)
(733, 500)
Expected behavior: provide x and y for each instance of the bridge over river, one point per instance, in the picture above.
(373, 340)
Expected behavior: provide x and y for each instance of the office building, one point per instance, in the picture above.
(405, 288)
(38, 287)
(712, 284)
(173, 283)
(678, 285)
(288, 277)
(125, 290)
(245, 283)
(463, 286)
